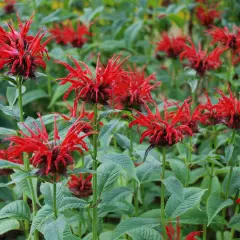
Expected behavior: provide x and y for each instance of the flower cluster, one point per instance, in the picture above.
(50, 156)
(66, 34)
(20, 52)
(79, 186)
(199, 60)
(172, 46)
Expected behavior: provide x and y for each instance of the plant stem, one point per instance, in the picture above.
(135, 185)
(204, 231)
(94, 167)
(233, 230)
(188, 162)
(55, 197)
(162, 189)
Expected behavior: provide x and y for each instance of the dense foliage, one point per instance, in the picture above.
(120, 120)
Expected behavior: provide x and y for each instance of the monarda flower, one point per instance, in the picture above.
(207, 16)
(230, 40)
(50, 156)
(80, 187)
(135, 89)
(200, 60)
(9, 6)
(21, 53)
(229, 108)
(175, 234)
(162, 131)
(94, 87)
(65, 34)
(172, 46)
(5, 156)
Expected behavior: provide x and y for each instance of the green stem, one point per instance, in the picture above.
(204, 232)
(233, 230)
(55, 197)
(162, 189)
(188, 161)
(50, 93)
(94, 167)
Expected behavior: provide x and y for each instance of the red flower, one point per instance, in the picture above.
(5, 156)
(208, 113)
(230, 40)
(94, 87)
(79, 186)
(165, 131)
(50, 156)
(229, 107)
(172, 235)
(172, 46)
(199, 60)
(207, 16)
(238, 201)
(21, 53)
(9, 6)
(65, 34)
(134, 90)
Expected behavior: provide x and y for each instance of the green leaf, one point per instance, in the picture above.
(7, 131)
(194, 216)
(234, 182)
(59, 91)
(90, 13)
(47, 192)
(131, 32)
(176, 207)
(214, 205)
(73, 203)
(123, 161)
(10, 111)
(132, 224)
(42, 215)
(33, 95)
(12, 95)
(7, 225)
(179, 169)
(58, 15)
(17, 209)
(107, 176)
(234, 222)
(80, 170)
(4, 164)
(193, 85)
(116, 194)
(228, 153)
(107, 129)
(175, 187)
(122, 140)
(145, 233)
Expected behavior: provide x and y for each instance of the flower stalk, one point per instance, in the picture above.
(162, 187)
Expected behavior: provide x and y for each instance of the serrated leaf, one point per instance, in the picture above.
(176, 207)
(107, 175)
(12, 95)
(179, 169)
(4, 164)
(123, 161)
(73, 203)
(17, 209)
(228, 153)
(10, 111)
(214, 205)
(234, 222)
(116, 194)
(7, 225)
(7, 131)
(33, 95)
(107, 129)
(122, 140)
(234, 181)
(134, 223)
(145, 233)
(175, 187)
(42, 215)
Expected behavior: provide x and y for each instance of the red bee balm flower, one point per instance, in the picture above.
(165, 131)
(207, 16)
(229, 107)
(79, 186)
(238, 201)
(49, 156)
(89, 87)
(172, 235)
(9, 6)
(172, 46)
(135, 89)
(22, 54)
(199, 60)
(65, 34)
